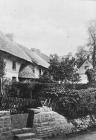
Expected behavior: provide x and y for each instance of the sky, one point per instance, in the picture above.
(53, 26)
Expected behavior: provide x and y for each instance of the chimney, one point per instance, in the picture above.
(35, 50)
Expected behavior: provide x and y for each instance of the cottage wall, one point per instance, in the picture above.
(38, 71)
(14, 73)
(86, 65)
(9, 71)
(37, 74)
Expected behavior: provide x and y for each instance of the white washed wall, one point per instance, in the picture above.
(37, 72)
(82, 69)
(9, 72)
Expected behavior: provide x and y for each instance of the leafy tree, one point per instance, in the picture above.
(75, 77)
(2, 72)
(54, 67)
(92, 40)
(46, 77)
(90, 75)
(67, 67)
(62, 69)
(81, 55)
(2, 67)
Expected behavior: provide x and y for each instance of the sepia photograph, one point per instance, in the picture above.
(47, 69)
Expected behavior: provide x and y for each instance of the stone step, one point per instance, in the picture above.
(22, 130)
(24, 136)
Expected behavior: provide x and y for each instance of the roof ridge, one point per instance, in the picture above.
(20, 51)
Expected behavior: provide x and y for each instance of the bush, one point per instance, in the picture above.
(91, 75)
(76, 86)
(77, 103)
(20, 89)
(18, 105)
(18, 97)
(70, 103)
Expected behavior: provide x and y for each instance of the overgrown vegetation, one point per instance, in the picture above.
(18, 97)
(2, 72)
(62, 69)
(18, 105)
(2, 67)
(70, 103)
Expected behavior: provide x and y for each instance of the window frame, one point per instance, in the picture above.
(14, 65)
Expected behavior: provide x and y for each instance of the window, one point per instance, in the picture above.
(33, 70)
(40, 71)
(14, 65)
(13, 79)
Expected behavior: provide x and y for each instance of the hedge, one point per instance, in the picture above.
(70, 103)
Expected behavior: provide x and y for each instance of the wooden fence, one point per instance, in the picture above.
(18, 105)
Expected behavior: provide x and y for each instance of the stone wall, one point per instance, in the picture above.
(5, 125)
(48, 123)
(19, 120)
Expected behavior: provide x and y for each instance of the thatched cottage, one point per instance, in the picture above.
(20, 62)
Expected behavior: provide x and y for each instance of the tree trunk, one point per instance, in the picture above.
(94, 61)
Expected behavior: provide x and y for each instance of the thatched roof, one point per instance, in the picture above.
(17, 50)
(42, 55)
(27, 72)
(35, 57)
(11, 47)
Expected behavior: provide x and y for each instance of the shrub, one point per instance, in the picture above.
(77, 103)
(18, 97)
(91, 75)
(18, 105)
(70, 103)
(20, 89)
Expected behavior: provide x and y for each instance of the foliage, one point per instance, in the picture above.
(76, 77)
(18, 97)
(18, 105)
(67, 68)
(46, 77)
(81, 55)
(92, 39)
(20, 89)
(54, 67)
(62, 69)
(91, 75)
(2, 67)
(6, 84)
(70, 103)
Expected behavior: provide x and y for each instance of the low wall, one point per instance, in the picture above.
(19, 120)
(49, 123)
(5, 125)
